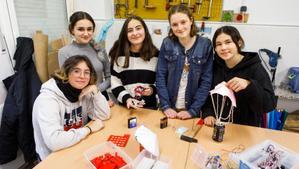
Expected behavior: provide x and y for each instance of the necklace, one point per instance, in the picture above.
(186, 65)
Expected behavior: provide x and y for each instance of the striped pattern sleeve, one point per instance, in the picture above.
(117, 87)
(125, 80)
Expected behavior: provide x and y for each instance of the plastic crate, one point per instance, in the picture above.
(153, 161)
(104, 148)
(268, 153)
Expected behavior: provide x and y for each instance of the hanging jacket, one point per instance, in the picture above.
(23, 87)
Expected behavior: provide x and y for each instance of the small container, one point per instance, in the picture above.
(200, 156)
(107, 147)
(155, 160)
(218, 132)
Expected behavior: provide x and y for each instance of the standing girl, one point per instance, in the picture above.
(82, 28)
(134, 60)
(244, 74)
(184, 71)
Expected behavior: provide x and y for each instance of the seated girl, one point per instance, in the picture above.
(60, 111)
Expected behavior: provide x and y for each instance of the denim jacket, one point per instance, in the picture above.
(169, 70)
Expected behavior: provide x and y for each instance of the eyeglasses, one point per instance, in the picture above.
(78, 72)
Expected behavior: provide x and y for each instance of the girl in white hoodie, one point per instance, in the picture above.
(64, 105)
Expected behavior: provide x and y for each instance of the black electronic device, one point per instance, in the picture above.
(163, 122)
(132, 122)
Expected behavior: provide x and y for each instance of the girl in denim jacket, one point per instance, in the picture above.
(184, 70)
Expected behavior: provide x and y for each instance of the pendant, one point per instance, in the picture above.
(186, 67)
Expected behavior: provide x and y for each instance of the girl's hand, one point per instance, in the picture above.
(147, 91)
(134, 103)
(183, 115)
(237, 84)
(90, 89)
(170, 113)
(209, 121)
(111, 103)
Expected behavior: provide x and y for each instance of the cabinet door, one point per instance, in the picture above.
(6, 69)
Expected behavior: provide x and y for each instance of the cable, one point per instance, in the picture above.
(187, 156)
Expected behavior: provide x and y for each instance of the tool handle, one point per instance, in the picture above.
(188, 139)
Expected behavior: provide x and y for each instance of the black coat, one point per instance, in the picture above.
(23, 88)
(251, 102)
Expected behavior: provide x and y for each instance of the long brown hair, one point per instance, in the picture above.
(121, 47)
(180, 8)
(69, 65)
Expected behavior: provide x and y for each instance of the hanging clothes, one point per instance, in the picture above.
(23, 87)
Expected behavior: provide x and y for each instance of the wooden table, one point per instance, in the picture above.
(177, 152)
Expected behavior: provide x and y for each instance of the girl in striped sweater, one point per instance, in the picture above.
(133, 65)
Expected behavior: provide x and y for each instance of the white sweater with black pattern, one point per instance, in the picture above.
(139, 73)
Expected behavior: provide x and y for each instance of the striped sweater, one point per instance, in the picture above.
(139, 73)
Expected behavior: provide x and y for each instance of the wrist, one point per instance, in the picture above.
(90, 131)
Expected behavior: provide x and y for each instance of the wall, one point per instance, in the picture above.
(48, 16)
(98, 9)
(275, 12)
(271, 23)
(255, 36)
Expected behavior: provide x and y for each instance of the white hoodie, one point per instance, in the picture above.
(53, 114)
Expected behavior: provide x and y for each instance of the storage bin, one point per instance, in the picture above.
(293, 75)
(151, 162)
(107, 147)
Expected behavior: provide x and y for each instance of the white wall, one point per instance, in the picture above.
(275, 12)
(98, 9)
(271, 24)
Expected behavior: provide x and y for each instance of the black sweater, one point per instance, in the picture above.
(251, 102)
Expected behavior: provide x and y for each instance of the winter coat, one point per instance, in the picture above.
(23, 87)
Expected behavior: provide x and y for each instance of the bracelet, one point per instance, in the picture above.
(90, 131)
